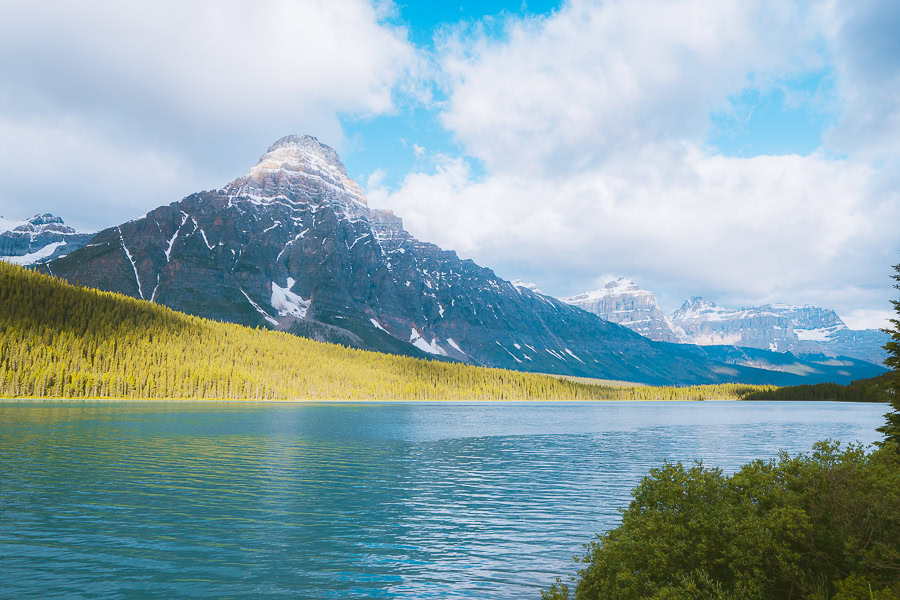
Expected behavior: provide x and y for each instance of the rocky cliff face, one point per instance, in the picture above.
(293, 245)
(777, 327)
(622, 302)
(39, 239)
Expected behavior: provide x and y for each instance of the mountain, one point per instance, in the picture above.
(38, 240)
(622, 302)
(802, 330)
(526, 285)
(292, 245)
(98, 345)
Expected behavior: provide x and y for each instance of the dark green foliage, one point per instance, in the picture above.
(822, 526)
(891, 429)
(874, 389)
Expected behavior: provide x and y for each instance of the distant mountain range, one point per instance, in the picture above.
(39, 239)
(292, 245)
(778, 327)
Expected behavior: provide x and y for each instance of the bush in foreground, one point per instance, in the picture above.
(819, 526)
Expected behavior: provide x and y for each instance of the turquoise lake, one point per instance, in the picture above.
(456, 500)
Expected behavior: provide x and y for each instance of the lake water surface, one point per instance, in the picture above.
(456, 500)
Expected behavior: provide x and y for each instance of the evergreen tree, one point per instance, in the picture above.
(891, 428)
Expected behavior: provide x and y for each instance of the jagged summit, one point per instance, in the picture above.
(302, 143)
(45, 219)
(37, 224)
(619, 286)
(297, 164)
(696, 303)
(526, 285)
(623, 302)
(39, 239)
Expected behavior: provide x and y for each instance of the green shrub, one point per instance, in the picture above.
(819, 526)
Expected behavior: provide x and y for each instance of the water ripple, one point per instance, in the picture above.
(108, 500)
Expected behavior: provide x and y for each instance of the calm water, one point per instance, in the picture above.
(109, 500)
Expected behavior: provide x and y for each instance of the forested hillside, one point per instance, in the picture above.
(58, 340)
(874, 389)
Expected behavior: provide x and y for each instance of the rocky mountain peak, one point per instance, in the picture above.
(623, 302)
(696, 304)
(297, 164)
(45, 219)
(526, 285)
(39, 239)
(39, 223)
(616, 287)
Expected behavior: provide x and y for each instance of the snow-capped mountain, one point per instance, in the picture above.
(292, 245)
(39, 239)
(777, 327)
(526, 285)
(621, 301)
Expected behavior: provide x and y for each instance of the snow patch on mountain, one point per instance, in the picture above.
(33, 257)
(416, 339)
(287, 302)
(526, 285)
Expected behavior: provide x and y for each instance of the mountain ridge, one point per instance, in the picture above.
(292, 245)
(804, 329)
(39, 239)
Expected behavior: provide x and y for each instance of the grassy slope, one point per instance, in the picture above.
(63, 341)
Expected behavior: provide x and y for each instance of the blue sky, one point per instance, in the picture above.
(745, 152)
(787, 119)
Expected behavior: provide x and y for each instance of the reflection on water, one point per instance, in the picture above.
(108, 500)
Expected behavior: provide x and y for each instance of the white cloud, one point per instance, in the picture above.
(79, 175)
(754, 227)
(865, 48)
(869, 319)
(590, 124)
(375, 179)
(594, 80)
(201, 86)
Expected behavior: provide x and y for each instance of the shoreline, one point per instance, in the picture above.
(344, 401)
(340, 401)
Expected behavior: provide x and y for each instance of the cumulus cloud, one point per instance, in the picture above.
(768, 228)
(865, 49)
(203, 87)
(590, 125)
(593, 80)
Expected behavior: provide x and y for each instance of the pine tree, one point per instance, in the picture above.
(891, 429)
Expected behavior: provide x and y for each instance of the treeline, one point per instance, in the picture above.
(875, 389)
(62, 341)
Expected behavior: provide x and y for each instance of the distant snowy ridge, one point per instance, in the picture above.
(777, 327)
(39, 239)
